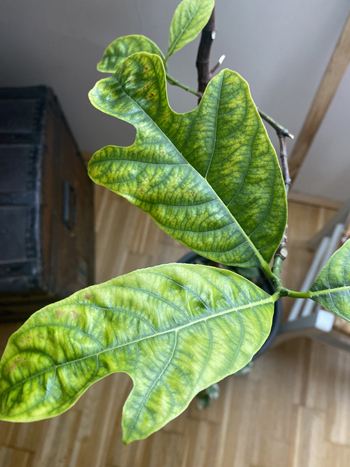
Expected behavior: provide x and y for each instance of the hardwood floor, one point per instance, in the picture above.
(291, 410)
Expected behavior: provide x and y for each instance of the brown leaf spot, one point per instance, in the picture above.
(16, 363)
(74, 314)
(59, 314)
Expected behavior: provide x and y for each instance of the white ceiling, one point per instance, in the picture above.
(280, 47)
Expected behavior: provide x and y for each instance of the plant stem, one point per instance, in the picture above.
(280, 130)
(282, 251)
(284, 161)
(175, 82)
(277, 266)
(294, 293)
(203, 55)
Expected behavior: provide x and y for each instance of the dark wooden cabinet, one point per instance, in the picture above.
(46, 204)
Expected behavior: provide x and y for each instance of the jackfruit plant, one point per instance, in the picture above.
(211, 179)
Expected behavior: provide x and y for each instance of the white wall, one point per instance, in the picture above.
(280, 47)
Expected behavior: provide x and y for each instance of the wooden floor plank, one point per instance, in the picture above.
(291, 410)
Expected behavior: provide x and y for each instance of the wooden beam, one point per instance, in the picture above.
(331, 79)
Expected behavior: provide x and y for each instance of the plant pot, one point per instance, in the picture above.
(256, 277)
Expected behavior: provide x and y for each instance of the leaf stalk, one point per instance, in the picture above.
(294, 293)
(174, 82)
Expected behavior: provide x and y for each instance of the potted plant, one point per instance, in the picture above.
(211, 179)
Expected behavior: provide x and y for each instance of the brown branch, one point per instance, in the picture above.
(203, 55)
(284, 160)
(279, 129)
(282, 251)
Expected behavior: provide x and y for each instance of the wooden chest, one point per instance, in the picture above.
(46, 204)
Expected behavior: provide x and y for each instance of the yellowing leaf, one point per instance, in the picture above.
(210, 178)
(332, 287)
(175, 329)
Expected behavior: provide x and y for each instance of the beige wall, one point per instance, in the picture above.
(280, 46)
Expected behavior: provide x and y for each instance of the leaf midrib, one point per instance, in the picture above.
(270, 299)
(213, 150)
(329, 291)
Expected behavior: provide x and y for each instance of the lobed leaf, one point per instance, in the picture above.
(189, 19)
(175, 329)
(122, 47)
(210, 178)
(332, 287)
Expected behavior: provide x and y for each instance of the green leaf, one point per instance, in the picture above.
(210, 178)
(189, 19)
(124, 46)
(175, 329)
(332, 287)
